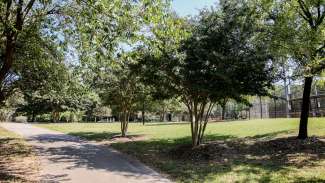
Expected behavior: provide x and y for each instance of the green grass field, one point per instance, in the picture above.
(241, 151)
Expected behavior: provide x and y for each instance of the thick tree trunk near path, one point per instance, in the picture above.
(11, 34)
(303, 127)
(7, 64)
(124, 123)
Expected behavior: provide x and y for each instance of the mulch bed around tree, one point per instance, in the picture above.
(288, 150)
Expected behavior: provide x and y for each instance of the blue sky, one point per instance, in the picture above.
(191, 7)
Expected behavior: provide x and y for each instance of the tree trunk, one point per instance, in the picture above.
(303, 130)
(274, 107)
(55, 116)
(143, 113)
(223, 108)
(223, 103)
(195, 138)
(287, 96)
(33, 116)
(10, 45)
(261, 107)
(199, 121)
(7, 64)
(124, 123)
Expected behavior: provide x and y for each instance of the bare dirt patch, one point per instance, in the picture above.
(128, 138)
(279, 151)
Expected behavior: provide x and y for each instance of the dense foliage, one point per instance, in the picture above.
(222, 58)
(82, 56)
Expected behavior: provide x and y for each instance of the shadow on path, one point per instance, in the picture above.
(73, 153)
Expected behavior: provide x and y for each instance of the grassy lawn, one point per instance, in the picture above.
(242, 151)
(17, 161)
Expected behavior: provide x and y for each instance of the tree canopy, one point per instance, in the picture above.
(220, 58)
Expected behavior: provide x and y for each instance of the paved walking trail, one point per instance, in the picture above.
(66, 158)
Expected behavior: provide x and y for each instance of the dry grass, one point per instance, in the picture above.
(18, 162)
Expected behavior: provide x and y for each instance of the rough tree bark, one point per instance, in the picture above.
(303, 130)
(124, 122)
(11, 34)
(315, 22)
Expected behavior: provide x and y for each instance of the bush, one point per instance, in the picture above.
(64, 118)
(20, 119)
(44, 118)
(5, 114)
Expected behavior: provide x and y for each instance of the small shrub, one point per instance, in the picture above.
(44, 118)
(21, 119)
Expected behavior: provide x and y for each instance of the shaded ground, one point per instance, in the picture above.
(17, 160)
(244, 151)
(66, 158)
(238, 160)
(104, 136)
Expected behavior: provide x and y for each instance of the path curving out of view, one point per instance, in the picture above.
(66, 158)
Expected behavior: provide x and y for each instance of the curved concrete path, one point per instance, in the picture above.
(66, 158)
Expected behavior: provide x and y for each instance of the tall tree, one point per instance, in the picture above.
(120, 89)
(103, 29)
(16, 19)
(299, 31)
(50, 86)
(221, 58)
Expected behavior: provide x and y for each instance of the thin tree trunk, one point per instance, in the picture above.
(223, 112)
(196, 125)
(275, 108)
(33, 116)
(201, 121)
(303, 130)
(223, 104)
(121, 121)
(287, 96)
(206, 120)
(123, 124)
(143, 113)
(192, 121)
(261, 107)
(55, 116)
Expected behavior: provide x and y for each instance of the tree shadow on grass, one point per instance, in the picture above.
(13, 147)
(8, 177)
(166, 123)
(97, 136)
(12, 153)
(261, 158)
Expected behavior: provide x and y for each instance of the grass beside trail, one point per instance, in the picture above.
(241, 151)
(17, 161)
